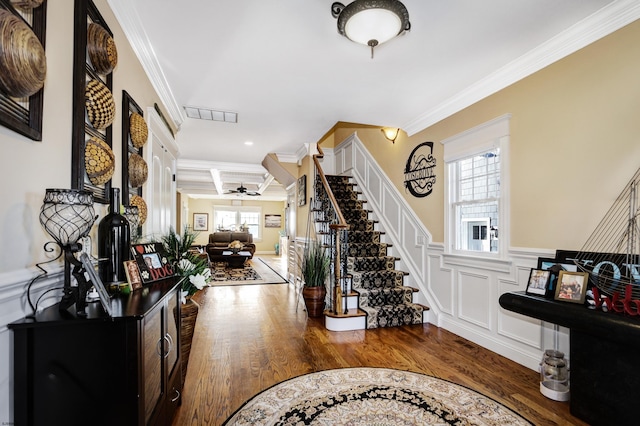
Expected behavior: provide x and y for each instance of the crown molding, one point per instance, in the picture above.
(596, 26)
(285, 157)
(131, 24)
(187, 164)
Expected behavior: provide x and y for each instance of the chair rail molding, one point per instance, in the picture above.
(461, 292)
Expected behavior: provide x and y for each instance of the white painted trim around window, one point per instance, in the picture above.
(484, 137)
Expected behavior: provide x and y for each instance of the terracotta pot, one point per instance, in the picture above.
(314, 300)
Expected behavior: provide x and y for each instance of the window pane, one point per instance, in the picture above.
(252, 221)
(476, 202)
(478, 225)
(233, 219)
(224, 219)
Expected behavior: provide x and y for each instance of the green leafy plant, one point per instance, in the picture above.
(315, 265)
(187, 263)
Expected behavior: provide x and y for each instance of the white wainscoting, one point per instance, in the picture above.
(461, 291)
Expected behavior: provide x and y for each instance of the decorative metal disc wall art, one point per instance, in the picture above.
(138, 130)
(138, 170)
(23, 66)
(101, 109)
(94, 108)
(134, 167)
(101, 49)
(99, 161)
(139, 202)
(26, 4)
(419, 172)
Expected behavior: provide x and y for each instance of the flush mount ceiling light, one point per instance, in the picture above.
(371, 22)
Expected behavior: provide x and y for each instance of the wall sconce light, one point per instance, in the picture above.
(371, 22)
(390, 133)
(68, 215)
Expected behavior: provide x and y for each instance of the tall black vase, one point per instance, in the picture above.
(114, 241)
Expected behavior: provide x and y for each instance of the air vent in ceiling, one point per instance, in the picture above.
(200, 113)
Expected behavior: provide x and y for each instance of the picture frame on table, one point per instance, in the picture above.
(555, 266)
(152, 261)
(572, 286)
(201, 221)
(92, 276)
(538, 283)
(132, 272)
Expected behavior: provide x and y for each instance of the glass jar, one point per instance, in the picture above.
(554, 375)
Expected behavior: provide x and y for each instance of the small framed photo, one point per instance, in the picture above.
(133, 274)
(201, 221)
(538, 282)
(555, 266)
(91, 275)
(572, 286)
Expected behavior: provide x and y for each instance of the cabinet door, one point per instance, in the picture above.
(152, 362)
(174, 363)
(173, 338)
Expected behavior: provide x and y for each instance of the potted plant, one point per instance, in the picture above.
(315, 271)
(194, 269)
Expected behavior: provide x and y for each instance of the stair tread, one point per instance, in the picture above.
(351, 313)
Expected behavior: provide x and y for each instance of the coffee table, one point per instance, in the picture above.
(234, 260)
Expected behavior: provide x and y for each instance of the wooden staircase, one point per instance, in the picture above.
(373, 294)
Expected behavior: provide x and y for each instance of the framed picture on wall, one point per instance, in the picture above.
(201, 221)
(272, 221)
(302, 190)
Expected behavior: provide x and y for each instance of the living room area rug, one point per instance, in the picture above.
(371, 396)
(255, 271)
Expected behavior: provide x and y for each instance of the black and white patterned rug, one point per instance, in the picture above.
(371, 396)
(255, 271)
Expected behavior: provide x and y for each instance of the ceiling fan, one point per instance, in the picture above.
(242, 190)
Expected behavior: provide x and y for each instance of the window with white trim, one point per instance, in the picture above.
(475, 201)
(231, 218)
(476, 166)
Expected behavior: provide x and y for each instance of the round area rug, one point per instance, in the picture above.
(371, 396)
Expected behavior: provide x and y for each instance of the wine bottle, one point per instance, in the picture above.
(114, 240)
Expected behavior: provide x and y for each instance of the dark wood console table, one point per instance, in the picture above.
(101, 370)
(604, 357)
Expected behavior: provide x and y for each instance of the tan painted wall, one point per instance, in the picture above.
(575, 143)
(306, 168)
(27, 168)
(270, 236)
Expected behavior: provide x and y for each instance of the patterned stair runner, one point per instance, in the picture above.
(382, 295)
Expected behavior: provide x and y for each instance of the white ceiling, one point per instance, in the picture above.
(284, 69)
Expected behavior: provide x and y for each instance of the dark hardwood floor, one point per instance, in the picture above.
(248, 338)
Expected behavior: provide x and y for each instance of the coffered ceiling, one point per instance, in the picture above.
(282, 68)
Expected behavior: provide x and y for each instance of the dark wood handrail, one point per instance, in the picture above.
(342, 225)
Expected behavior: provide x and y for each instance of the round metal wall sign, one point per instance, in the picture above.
(419, 172)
